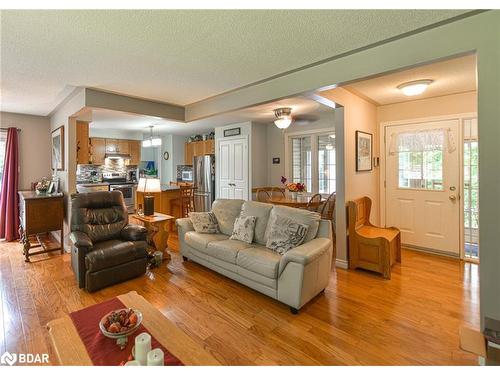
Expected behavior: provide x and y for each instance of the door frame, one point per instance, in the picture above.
(460, 147)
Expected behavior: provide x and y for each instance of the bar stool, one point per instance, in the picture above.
(185, 202)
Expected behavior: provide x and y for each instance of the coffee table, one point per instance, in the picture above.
(70, 350)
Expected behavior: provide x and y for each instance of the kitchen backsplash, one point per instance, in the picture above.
(88, 172)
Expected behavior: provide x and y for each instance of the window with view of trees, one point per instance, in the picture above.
(471, 189)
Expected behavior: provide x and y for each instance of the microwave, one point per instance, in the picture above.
(187, 176)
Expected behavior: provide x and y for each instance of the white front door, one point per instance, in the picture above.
(233, 169)
(423, 184)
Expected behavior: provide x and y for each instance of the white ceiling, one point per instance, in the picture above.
(450, 77)
(114, 120)
(176, 56)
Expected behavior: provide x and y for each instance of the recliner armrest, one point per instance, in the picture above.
(133, 232)
(80, 239)
(306, 253)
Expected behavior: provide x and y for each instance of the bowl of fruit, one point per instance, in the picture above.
(120, 324)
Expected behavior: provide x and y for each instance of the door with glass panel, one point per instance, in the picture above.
(423, 184)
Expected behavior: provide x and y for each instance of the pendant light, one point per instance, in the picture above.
(151, 141)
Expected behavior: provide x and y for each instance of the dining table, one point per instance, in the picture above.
(300, 201)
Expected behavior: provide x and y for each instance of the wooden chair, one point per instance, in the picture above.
(185, 202)
(314, 203)
(370, 247)
(262, 195)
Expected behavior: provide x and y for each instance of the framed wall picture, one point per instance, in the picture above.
(232, 132)
(364, 145)
(58, 149)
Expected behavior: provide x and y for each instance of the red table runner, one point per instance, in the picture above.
(102, 350)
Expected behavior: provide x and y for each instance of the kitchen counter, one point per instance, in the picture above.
(163, 202)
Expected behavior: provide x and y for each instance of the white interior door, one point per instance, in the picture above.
(422, 184)
(233, 169)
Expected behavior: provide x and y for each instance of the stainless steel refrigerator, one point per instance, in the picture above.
(204, 182)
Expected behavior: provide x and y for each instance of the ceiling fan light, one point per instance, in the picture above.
(415, 87)
(329, 146)
(283, 117)
(283, 122)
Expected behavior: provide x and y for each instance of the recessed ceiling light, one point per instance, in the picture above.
(415, 87)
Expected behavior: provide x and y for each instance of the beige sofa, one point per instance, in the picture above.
(293, 278)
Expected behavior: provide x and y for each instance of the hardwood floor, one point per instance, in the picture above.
(361, 318)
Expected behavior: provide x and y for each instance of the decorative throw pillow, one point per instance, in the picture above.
(204, 222)
(285, 234)
(244, 227)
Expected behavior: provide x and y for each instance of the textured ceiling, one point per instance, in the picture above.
(176, 56)
(107, 119)
(450, 77)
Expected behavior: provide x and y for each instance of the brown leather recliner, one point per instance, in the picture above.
(106, 249)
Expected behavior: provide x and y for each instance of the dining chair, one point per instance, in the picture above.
(277, 192)
(185, 201)
(314, 203)
(263, 195)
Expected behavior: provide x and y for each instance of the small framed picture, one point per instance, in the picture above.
(58, 149)
(364, 145)
(50, 190)
(232, 132)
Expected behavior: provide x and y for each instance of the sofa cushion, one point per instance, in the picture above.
(261, 211)
(226, 250)
(309, 218)
(226, 211)
(244, 229)
(200, 241)
(204, 222)
(285, 234)
(111, 253)
(260, 260)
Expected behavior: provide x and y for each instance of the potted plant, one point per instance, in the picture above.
(42, 186)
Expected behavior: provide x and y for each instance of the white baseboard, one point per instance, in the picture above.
(340, 263)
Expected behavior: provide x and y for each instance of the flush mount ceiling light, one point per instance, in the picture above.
(151, 141)
(415, 87)
(283, 117)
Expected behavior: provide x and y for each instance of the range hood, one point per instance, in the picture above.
(116, 155)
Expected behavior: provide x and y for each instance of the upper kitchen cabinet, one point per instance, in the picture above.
(124, 146)
(111, 145)
(199, 148)
(82, 143)
(97, 150)
(135, 152)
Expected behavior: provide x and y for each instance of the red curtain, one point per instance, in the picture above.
(9, 207)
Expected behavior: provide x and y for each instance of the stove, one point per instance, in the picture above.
(118, 181)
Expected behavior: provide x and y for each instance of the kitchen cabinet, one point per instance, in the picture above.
(111, 145)
(209, 147)
(123, 146)
(135, 152)
(97, 150)
(189, 153)
(82, 143)
(199, 148)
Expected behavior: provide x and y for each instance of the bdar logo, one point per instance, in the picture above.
(8, 359)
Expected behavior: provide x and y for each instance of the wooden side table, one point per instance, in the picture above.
(40, 214)
(157, 231)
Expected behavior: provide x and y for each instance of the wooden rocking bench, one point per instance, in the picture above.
(370, 247)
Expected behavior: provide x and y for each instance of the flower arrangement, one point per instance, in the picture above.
(293, 187)
(42, 186)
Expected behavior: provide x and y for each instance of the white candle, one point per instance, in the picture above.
(142, 347)
(133, 363)
(155, 357)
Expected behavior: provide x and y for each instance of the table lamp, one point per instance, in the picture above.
(149, 185)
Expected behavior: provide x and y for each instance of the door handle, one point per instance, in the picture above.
(453, 198)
